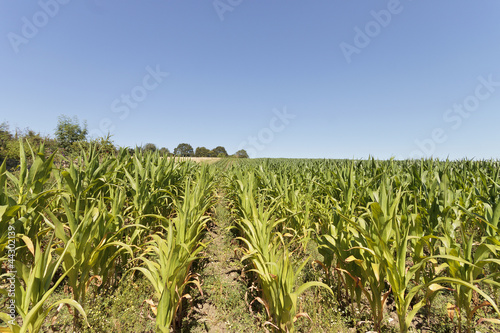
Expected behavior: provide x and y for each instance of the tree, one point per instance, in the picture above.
(164, 151)
(220, 151)
(202, 152)
(5, 135)
(150, 147)
(184, 150)
(241, 154)
(69, 131)
(5, 138)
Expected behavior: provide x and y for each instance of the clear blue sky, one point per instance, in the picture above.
(382, 78)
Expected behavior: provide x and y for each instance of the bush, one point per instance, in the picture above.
(10, 143)
(69, 131)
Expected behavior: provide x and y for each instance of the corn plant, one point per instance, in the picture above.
(8, 208)
(278, 280)
(29, 194)
(270, 258)
(334, 245)
(31, 296)
(167, 261)
(87, 251)
(166, 265)
(466, 263)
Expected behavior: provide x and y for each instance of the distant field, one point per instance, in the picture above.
(209, 160)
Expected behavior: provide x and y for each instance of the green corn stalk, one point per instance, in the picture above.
(167, 261)
(381, 254)
(278, 280)
(87, 251)
(29, 194)
(277, 274)
(191, 207)
(31, 296)
(166, 265)
(334, 246)
(466, 263)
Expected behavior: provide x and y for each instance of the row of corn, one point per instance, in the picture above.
(399, 230)
(94, 223)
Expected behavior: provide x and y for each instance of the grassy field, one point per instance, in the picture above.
(142, 243)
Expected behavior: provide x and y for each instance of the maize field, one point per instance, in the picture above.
(378, 239)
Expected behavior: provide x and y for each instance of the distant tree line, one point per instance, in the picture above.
(186, 150)
(70, 135)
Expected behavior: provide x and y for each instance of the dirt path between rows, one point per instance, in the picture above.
(223, 307)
